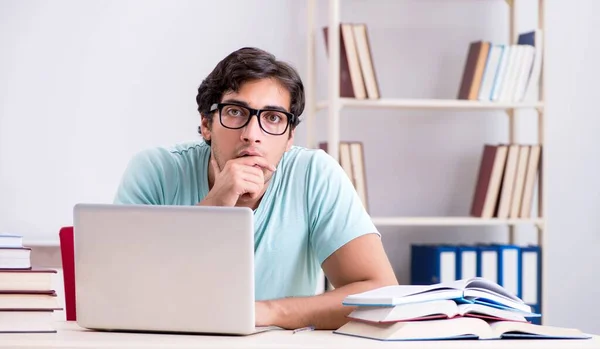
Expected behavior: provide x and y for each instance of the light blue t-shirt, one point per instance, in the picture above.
(309, 210)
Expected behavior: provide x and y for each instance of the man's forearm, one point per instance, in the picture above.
(324, 311)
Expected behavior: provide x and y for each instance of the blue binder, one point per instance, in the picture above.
(432, 264)
(531, 278)
(500, 263)
(509, 268)
(487, 262)
(466, 262)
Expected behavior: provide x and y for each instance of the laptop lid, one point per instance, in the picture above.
(164, 268)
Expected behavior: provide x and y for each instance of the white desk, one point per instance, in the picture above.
(71, 336)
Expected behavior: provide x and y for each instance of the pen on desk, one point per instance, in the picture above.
(302, 329)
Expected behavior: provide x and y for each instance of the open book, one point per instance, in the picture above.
(457, 328)
(433, 310)
(475, 290)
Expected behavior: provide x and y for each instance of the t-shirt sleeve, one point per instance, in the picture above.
(336, 212)
(144, 178)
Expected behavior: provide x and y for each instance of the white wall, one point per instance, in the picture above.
(574, 163)
(83, 85)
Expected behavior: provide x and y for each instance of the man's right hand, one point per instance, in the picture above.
(239, 177)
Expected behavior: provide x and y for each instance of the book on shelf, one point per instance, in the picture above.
(357, 70)
(533, 38)
(505, 181)
(488, 180)
(457, 328)
(352, 159)
(503, 72)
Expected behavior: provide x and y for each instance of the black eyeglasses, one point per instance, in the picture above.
(234, 116)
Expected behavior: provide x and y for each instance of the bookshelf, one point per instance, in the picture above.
(334, 105)
(446, 104)
(452, 221)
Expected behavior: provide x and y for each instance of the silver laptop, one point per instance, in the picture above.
(165, 268)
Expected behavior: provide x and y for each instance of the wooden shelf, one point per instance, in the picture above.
(459, 104)
(452, 221)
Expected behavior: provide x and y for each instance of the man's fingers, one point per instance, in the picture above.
(254, 170)
(253, 177)
(256, 161)
(253, 189)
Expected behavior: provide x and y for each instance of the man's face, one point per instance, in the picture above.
(229, 144)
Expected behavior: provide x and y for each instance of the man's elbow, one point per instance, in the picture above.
(386, 279)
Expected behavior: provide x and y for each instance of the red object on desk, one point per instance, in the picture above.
(67, 252)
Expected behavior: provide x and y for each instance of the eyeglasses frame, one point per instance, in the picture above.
(219, 106)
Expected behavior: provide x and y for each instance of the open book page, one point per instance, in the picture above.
(507, 329)
(432, 310)
(477, 283)
(400, 294)
(486, 312)
(466, 290)
(455, 328)
(405, 312)
(485, 297)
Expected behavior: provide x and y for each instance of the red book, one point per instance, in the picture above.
(67, 251)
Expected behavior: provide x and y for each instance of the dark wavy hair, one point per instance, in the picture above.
(248, 64)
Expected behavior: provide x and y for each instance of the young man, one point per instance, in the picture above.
(307, 213)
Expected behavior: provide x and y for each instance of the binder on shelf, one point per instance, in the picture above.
(466, 262)
(509, 268)
(530, 286)
(487, 262)
(432, 264)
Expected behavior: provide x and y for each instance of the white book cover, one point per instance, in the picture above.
(491, 69)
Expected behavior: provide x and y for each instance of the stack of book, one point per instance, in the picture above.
(473, 308)
(27, 298)
(506, 181)
(503, 73)
(357, 70)
(517, 268)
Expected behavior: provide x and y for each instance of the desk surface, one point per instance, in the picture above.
(71, 336)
